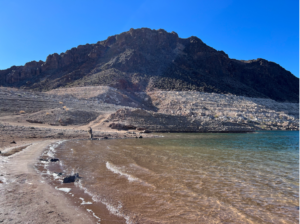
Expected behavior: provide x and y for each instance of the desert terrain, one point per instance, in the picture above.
(30, 121)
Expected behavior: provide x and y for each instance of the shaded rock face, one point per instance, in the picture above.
(121, 126)
(157, 122)
(145, 59)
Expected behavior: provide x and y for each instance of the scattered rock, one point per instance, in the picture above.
(141, 137)
(13, 142)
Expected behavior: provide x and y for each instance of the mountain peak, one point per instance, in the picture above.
(145, 59)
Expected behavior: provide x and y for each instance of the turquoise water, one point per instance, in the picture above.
(192, 178)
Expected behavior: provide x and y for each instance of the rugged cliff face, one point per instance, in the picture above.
(145, 59)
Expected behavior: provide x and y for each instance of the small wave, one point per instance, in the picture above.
(140, 168)
(115, 170)
(131, 178)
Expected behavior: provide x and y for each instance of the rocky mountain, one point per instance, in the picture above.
(145, 59)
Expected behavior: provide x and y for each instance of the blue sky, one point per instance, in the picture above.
(31, 30)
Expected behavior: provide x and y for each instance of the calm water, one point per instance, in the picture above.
(192, 178)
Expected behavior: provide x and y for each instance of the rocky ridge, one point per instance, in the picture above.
(146, 60)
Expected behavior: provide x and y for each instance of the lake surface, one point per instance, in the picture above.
(191, 178)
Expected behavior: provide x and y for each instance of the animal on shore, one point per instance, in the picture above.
(90, 131)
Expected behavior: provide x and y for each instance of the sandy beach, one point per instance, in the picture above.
(26, 198)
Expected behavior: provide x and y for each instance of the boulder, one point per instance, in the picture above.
(54, 160)
(71, 179)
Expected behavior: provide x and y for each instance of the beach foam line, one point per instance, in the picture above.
(112, 209)
(50, 152)
(116, 211)
(52, 148)
(85, 202)
(90, 211)
(64, 189)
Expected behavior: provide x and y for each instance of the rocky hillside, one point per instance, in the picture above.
(145, 59)
(158, 111)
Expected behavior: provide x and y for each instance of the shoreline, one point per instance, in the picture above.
(76, 195)
(26, 198)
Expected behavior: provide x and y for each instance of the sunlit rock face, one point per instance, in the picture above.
(145, 59)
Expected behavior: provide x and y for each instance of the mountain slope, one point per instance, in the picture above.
(145, 59)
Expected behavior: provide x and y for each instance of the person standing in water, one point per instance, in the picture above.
(90, 131)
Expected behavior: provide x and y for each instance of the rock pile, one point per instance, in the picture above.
(261, 113)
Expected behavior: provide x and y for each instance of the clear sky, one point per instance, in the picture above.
(33, 29)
